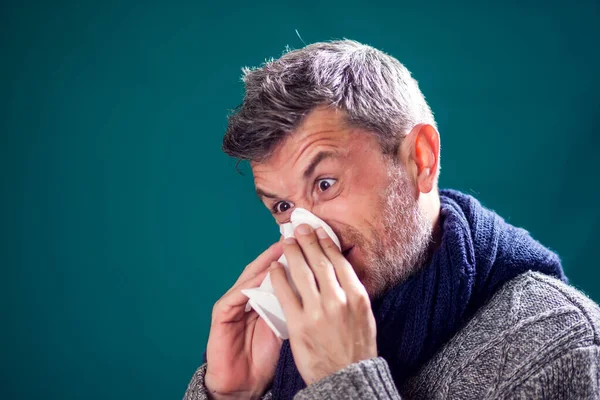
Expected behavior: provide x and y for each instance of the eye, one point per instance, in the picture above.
(281, 207)
(324, 184)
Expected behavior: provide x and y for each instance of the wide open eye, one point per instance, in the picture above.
(281, 207)
(324, 184)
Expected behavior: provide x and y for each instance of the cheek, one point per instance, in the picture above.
(366, 202)
(339, 209)
(358, 211)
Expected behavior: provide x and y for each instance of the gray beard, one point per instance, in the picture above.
(402, 250)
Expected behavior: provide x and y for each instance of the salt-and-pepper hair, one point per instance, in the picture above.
(375, 91)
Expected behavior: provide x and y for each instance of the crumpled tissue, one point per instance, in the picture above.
(262, 299)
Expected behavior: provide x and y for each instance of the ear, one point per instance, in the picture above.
(423, 153)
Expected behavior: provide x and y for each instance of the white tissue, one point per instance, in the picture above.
(262, 298)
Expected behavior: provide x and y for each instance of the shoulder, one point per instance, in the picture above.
(532, 310)
(533, 297)
(548, 304)
(532, 323)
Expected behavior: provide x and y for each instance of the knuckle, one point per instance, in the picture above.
(360, 301)
(332, 307)
(310, 241)
(328, 245)
(217, 308)
(337, 304)
(315, 318)
(358, 290)
(323, 263)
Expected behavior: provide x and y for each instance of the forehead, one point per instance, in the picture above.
(324, 129)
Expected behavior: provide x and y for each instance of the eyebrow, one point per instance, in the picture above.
(261, 193)
(321, 156)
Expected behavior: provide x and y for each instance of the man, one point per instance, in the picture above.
(432, 295)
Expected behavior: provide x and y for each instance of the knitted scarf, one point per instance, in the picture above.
(478, 254)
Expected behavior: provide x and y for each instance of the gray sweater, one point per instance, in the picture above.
(537, 338)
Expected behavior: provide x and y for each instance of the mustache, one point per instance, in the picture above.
(352, 237)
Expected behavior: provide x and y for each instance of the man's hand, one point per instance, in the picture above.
(333, 325)
(242, 351)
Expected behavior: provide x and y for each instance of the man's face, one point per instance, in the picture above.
(340, 174)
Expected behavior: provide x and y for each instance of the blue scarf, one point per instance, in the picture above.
(478, 254)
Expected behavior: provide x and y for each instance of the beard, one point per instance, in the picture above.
(395, 254)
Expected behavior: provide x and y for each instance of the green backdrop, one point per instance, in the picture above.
(122, 221)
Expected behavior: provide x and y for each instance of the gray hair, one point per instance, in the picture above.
(375, 91)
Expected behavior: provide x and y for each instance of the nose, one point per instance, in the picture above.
(315, 210)
(308, 206)
(323, 214)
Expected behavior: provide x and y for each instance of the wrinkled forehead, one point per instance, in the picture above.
(321, 130)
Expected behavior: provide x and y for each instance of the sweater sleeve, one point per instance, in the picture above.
(367, 379)
(196, 389)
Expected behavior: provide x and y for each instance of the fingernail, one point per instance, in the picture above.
(321, 233)
(289, 240)
(303, 229)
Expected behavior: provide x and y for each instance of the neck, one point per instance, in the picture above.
(431, 207)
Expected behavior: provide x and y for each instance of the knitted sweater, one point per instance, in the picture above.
(536, 338)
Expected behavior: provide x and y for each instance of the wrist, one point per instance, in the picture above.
(231, 396)
(215, 393)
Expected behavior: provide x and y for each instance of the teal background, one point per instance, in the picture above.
(122, 221)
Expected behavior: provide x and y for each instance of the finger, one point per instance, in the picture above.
(343, 269)
(262, 262)
(318, 261)
(301, 274)
(290, 304)
(234, 296)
